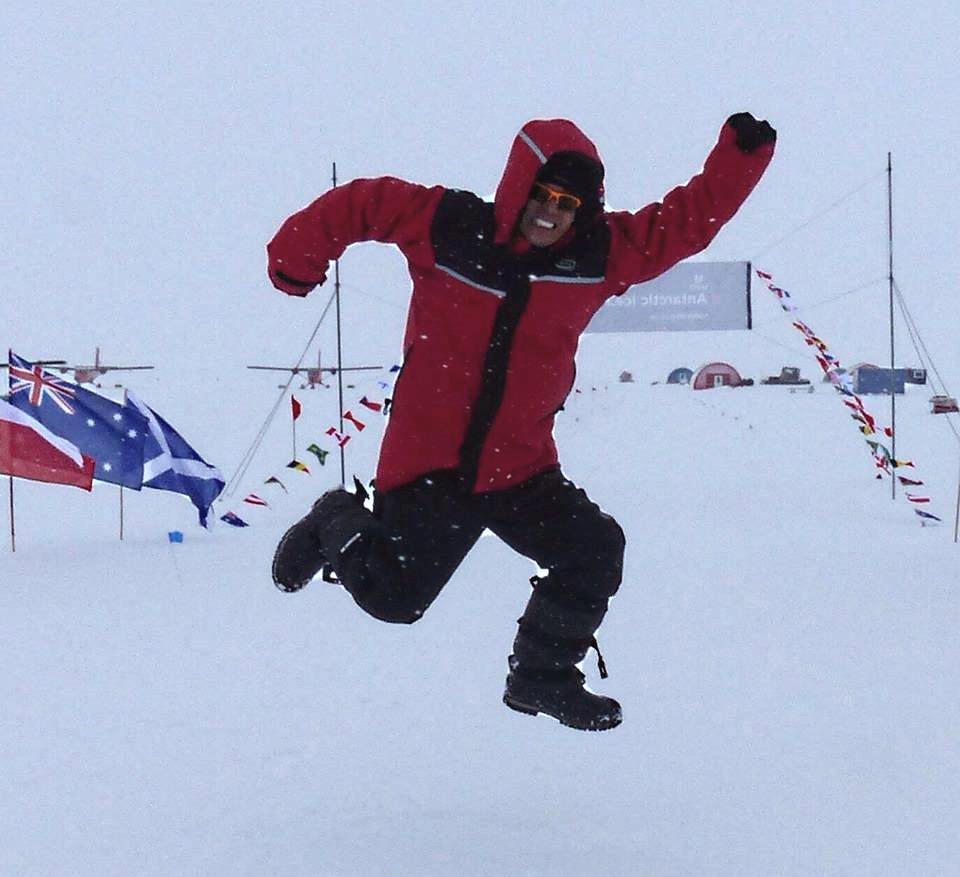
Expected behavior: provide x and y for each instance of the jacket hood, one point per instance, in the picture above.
(536, 142)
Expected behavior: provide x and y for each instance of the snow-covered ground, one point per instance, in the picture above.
(784, 646)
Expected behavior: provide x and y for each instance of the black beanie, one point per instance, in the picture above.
(575, 173)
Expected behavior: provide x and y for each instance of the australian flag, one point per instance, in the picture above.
(111, 434)
(171, 464)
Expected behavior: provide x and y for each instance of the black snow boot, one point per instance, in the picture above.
(562, 695)
(300, 554)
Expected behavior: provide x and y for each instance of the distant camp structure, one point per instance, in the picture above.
(681, 375)
(868, 378)
(789, 376)
(943, 405)
(718, 374)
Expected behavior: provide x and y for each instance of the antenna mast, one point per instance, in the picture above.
(336, 289)
(893, 376)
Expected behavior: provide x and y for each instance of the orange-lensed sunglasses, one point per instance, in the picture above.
(542, 193)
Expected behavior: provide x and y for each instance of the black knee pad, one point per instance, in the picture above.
(592, 569)
(380, 585)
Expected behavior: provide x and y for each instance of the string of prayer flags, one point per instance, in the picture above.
(352, 425)
(779, 292)
(842, 381)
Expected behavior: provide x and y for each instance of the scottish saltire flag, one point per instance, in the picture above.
(111, 434)
(169, 463)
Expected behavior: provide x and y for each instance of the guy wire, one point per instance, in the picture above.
(247, 458)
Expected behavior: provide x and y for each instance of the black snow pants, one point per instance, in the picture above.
(418, 534)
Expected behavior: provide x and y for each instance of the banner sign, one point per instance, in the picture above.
(704, 296)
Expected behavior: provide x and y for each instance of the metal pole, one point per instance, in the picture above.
(336, 288)
(13, 529)
(956, 518)
(121, 486)
(893, 395)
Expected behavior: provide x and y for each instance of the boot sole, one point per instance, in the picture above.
(283, 586)
(528, 710)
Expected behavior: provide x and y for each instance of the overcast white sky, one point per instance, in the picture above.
(149, 151)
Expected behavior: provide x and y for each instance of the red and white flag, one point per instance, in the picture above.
(29, 450)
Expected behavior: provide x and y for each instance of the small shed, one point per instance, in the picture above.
(716, 374)
(868, 379)
(681, 375)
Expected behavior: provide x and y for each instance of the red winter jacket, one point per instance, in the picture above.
(493, 324)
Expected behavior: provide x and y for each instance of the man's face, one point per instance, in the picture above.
(548, 215)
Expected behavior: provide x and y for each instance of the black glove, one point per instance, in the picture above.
(290, 285)
(750, 132)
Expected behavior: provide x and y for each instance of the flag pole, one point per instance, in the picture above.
(336, 287)
(893, 374)
(956, 518)
(121, 486)
(13, 529)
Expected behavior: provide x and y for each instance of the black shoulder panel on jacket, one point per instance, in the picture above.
(462, 237)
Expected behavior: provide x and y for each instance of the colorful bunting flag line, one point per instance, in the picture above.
(352, 426)
(842, 381)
